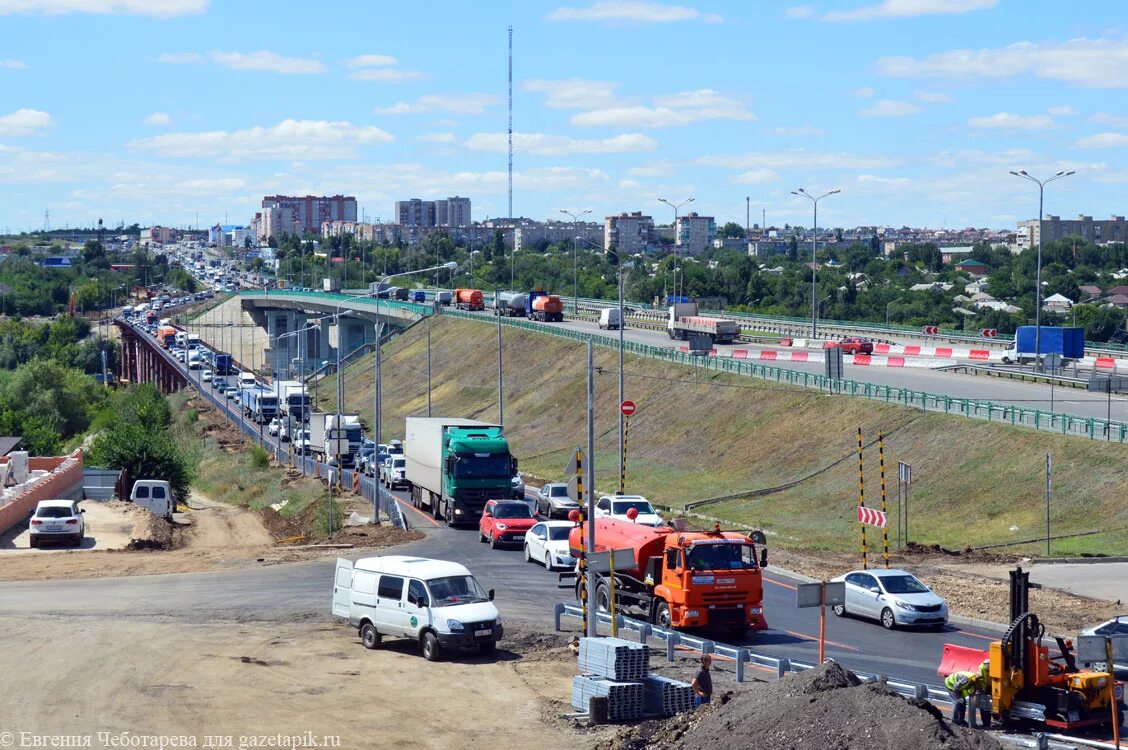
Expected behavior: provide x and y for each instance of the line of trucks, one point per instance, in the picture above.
(673, 576)
(536, 304)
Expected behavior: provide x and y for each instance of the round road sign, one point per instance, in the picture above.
(627, 407)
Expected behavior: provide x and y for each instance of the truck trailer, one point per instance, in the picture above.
(455, 465)
(259, 404)
(222, 363)
(1068, 343)
(510, 304)
(678, 578)
(327, 440)
(293, 398)
(685, 322)
(469, 299)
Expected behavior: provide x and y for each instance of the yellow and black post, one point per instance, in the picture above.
(862, 501)
(583, 554)
(884, 498)
(623, 475)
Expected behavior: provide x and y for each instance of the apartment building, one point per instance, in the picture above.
(694, 234)
(530, 234)
(446, 212)
(629, 232)
(1052, 228)
(301, 214)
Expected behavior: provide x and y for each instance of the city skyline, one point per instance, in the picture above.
(159, 111)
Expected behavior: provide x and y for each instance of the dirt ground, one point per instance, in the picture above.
(160, 678)
(109, 526)
(208, 536)
(967, 593)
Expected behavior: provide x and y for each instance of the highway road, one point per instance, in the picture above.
(999, 390)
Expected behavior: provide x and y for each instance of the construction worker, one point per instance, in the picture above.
(983, 687)
(702, 684)
(961, 686)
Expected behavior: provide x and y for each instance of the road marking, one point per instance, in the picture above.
(814, 638)
(418, 512)
(977, 635)
(779, 583)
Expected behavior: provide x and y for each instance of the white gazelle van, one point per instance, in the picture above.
(436, 603)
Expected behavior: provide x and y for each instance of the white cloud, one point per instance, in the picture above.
(560, 145)
(1062, 110)
(158, 118)
(1012, 121)
(463, 104)
(1116, 121)
(626, 10)
(865, 92)
(289, 139)
(260, 60)
(155, 8)
(574, 93)
(756, 177)
(656, 169)
(13, 64)
(1093, 63)
(909, 9)
(802, 131)
(933, 97)
(24, 122)
(800, 11)
(1104, 140)
(674, 110)
(890, 108)
(370, 61)
(387, 75)
(629, 183)
(437, 138)
(798, 159)
(874, 179)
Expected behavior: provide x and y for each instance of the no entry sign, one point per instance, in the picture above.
(627, 408)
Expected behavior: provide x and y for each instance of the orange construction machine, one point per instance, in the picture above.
(1027, 682)
(678, 578)
(469, 299)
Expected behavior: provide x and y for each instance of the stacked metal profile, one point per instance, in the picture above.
(662, 695)
(614, 658)
(624, 699)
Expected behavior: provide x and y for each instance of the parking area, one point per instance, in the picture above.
(108, 526)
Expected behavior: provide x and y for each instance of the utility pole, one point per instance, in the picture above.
(591, 483)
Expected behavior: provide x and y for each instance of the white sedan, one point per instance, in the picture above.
(892, 597)
(547, 543)
(619, 507)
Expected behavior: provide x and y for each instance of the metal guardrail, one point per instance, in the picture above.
(1093, 428)
(739, 655)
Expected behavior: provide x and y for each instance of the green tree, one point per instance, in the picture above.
(144, 452)
(731, 229)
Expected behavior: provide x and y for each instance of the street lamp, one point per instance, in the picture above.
(377, 398)
(575, 266)
(676, 207)
(1038, 280)
(814, 245)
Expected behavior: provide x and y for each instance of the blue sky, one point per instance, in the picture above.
(154, 110)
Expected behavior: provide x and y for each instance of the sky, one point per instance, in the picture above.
(186, 112)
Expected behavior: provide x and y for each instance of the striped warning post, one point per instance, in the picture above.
(356, 482)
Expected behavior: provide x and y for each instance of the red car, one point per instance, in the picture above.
(854, 345)
(505, 522)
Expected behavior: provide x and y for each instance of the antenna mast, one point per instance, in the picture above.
(510, 122)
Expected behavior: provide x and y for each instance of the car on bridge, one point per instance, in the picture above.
(852, 345)
(893, 597)
(505, 522)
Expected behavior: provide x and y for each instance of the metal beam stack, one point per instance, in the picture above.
(624, 699)
(614, 658)
(665, 696)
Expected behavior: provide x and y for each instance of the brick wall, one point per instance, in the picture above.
(63, 481)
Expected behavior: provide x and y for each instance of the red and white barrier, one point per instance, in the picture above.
(862, 360)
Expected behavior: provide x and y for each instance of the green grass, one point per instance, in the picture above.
(973, 480)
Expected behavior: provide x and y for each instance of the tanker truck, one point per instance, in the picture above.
(545, 307)
(510, 304)
(678, 578)
(469, 299)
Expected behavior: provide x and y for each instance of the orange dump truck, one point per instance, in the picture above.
(469, 299)
(547, 308)
(678, 578)
(166, 335)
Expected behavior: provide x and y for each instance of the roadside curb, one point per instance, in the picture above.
(1076, 560)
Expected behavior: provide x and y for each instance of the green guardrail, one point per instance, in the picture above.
(1093, 428)
(331, 297)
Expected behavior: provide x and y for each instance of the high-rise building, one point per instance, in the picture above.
(415, 213)
(447, 212)
(628, 232)
(694, 234)
(304, 213)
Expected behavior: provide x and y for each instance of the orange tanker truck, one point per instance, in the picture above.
(545, 307)
(679, 578)
(469, 299)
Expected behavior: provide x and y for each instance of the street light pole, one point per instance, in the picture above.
(575, 265)
(676, 207)
(814, 261)
(1038, 280)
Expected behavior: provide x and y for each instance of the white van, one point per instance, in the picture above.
(436, 603)
(609, 318)
(247, 380)
(155, 495)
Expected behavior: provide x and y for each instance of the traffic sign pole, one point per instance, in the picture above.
(884, 504)
(623, 474)
(862, 501)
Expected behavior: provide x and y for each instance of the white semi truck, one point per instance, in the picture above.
(684, 322)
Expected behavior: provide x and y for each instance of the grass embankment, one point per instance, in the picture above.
(242, 474)
(974, 483)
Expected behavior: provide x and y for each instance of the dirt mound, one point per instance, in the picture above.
(826, 707)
